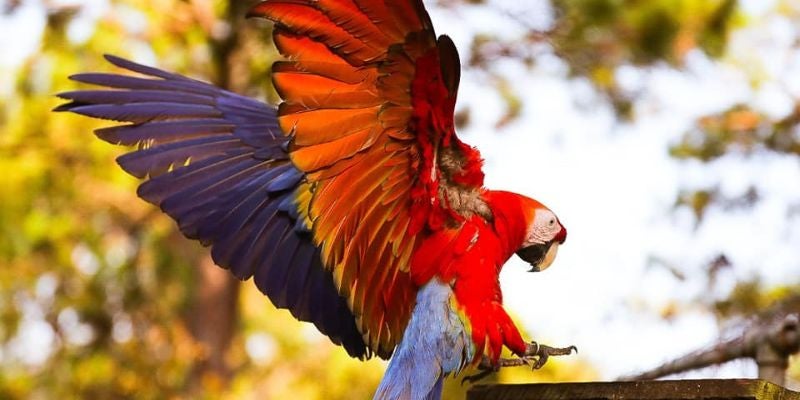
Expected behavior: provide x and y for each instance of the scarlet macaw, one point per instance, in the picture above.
(355, 205)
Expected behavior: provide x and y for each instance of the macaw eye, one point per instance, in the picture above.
(545, 221)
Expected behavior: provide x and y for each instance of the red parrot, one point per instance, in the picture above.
(354, 205)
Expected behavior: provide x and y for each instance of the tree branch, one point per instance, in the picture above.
(770, 345)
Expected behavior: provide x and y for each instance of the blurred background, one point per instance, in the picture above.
(665, 134)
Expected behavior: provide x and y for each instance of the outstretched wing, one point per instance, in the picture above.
(217, 164)
(369, 94)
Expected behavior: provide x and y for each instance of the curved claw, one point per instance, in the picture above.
(541, 353)
(536, 356)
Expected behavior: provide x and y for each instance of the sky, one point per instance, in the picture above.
(612, 184)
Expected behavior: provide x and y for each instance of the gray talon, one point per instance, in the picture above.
(536, 356)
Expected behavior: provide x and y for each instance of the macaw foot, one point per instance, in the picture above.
(536, 355)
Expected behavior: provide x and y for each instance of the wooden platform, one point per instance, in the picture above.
(703, 389)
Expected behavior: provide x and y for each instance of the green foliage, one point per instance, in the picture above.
(739, 129)
(699, 200)
(605, 33)
(752, 297)
(595, 37)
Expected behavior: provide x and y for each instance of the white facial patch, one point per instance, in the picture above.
(545, 227)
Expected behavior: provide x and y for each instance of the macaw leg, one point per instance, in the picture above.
(536, 355)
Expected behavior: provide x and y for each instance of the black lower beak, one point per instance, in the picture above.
(534, 255)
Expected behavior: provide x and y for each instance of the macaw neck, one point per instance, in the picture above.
(510, 219)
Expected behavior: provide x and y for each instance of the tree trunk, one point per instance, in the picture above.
(214, 311)
(212, 323)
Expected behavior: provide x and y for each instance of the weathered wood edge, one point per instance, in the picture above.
(696, 389)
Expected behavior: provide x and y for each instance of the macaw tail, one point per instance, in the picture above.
(434, 345)
(436, 391)
(216, 162)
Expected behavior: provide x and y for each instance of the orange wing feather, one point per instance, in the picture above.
(347, 91)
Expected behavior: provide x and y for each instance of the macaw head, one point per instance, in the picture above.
(526, 227)
(544, 234)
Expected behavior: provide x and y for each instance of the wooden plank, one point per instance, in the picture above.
(701, 389)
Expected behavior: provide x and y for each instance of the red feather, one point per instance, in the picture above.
(369, 95)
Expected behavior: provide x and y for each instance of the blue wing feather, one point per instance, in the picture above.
(217, 164)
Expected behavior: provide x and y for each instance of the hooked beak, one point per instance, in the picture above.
(541, 256)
